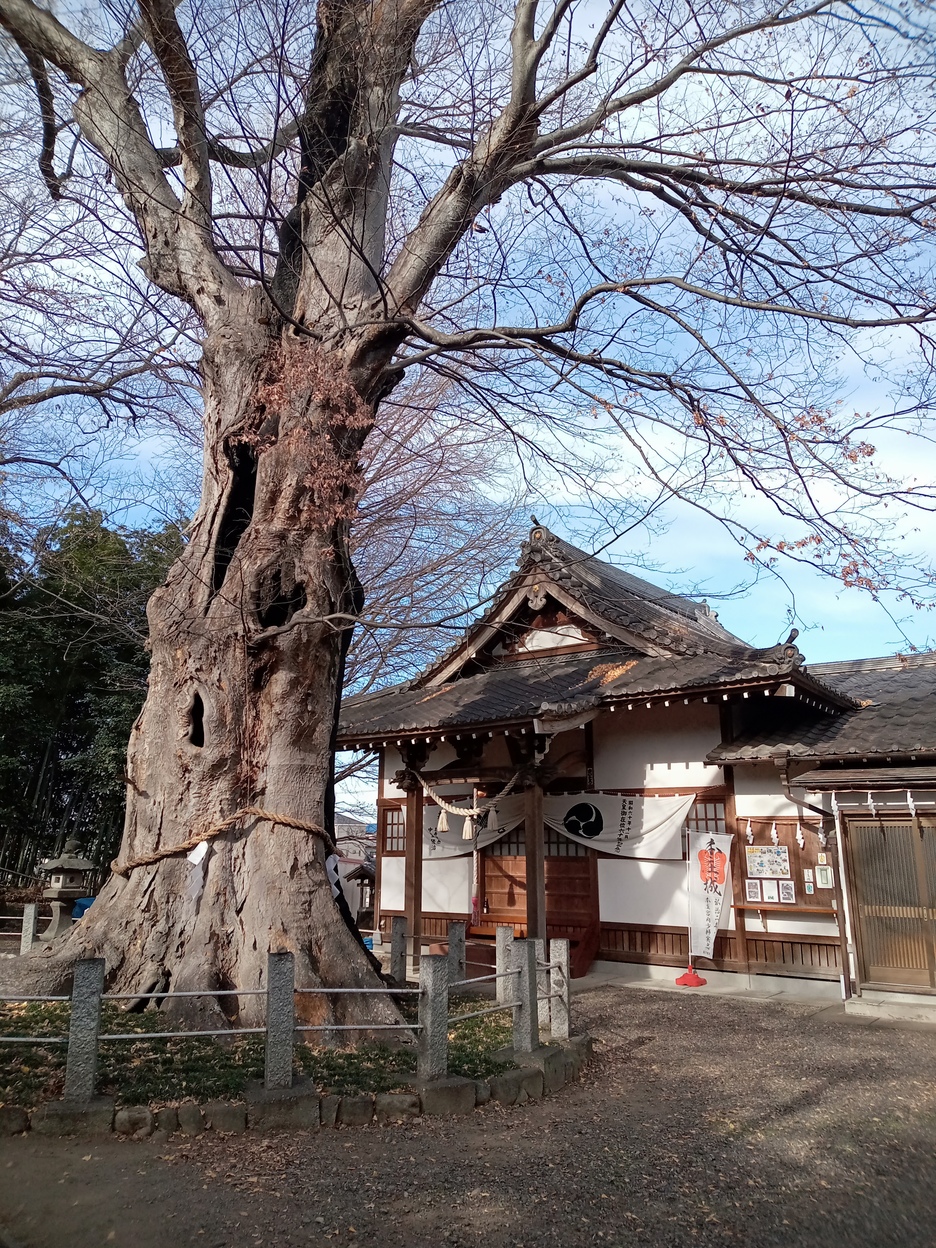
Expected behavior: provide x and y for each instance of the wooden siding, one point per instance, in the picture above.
(434, 926)
(814, 957)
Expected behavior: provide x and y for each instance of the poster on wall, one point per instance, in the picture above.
(768, 861)
(708, 871)
(629, 827)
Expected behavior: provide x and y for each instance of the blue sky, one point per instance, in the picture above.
(834, 622)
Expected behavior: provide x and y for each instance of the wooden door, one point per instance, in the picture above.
(503, 883)
(571, 872)
(504, 899)
(894, 877)
(571, 892)
(572, 898)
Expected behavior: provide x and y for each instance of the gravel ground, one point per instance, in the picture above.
(702, 1121)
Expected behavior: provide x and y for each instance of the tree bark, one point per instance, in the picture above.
(248, 637)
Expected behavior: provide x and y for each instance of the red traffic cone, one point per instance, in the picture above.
(691, 979)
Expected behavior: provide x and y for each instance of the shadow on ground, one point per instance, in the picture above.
(703, 1121)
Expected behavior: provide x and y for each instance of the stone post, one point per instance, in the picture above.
(542, 987)
(30, 924)
(83, 1030)
(280, 1021)
(61, 921)
(398, 948)
(432, 1050)
(506, 987)
(525, 1029)
(456, 952)
(559, 987)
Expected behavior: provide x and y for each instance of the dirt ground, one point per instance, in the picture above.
(703, 1121)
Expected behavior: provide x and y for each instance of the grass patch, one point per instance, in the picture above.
(472, 1044)
(144, 1071)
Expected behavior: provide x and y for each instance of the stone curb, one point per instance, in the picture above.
(546, 1070)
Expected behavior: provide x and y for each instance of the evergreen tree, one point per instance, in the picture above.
(73, 668)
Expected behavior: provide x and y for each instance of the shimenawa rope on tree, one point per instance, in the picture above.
(255, 812)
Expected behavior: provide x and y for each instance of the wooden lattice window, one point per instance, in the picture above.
(558, 846)
(394, 831)
(706, 816)
(511, 845)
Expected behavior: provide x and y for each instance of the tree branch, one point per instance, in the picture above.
(168, 43)
(180, 257)
(607, 165)
(611, 106)
(232, 157)
(37, 70)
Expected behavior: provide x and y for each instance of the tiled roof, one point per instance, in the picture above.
(693, 652)
(665, 620)
(514, 690)
(864, 779)
(897, 715)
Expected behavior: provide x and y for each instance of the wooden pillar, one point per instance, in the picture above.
(838, 854)
(412, 893)
(732, 824)
(535, 862)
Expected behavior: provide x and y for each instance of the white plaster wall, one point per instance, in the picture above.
(636, 890)
(759, 793)
(447, 885)
(658, 748)
(392, 880)
(392, 762)
(780, 924)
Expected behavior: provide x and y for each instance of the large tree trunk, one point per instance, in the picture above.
(247, 650)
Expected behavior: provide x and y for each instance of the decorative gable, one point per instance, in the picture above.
(550, 629)
(561, 599)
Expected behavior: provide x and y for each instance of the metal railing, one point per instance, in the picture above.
(537, 1005)
(518, 978)
(17, 879)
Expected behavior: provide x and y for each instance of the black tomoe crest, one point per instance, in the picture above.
(583, 819)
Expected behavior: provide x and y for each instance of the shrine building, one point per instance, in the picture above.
(547, 770)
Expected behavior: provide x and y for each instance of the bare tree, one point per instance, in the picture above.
(437, 526)
(88, 347)
(653, 224)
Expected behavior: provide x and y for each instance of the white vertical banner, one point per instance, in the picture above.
(708, 873)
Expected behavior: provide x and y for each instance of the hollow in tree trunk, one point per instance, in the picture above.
(248, 637)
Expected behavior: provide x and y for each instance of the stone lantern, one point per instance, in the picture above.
(66, 884)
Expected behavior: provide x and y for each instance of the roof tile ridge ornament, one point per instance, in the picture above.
(784, 651)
